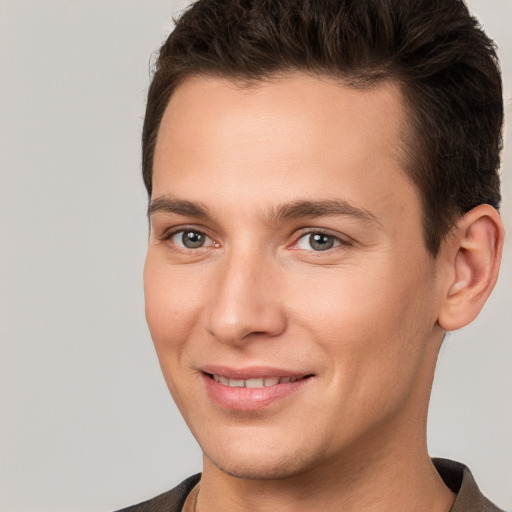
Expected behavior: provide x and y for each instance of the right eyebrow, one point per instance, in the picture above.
(169, 204)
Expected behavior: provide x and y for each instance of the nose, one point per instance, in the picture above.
(245, 301)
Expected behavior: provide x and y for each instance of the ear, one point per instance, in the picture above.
(473, 256)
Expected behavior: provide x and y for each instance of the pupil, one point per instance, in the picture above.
(192, 239)
(321, 242)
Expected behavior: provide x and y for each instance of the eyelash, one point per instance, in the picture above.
(309, 232)
(337, 240)
(167, 236)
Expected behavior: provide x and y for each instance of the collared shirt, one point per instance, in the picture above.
(459, 479)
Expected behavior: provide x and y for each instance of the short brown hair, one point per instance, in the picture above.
(438, 54)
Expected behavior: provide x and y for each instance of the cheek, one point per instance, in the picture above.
(172, 304)
(372, 318)
(341, 300)
(172, 309)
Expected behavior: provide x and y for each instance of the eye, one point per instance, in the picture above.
(317, 242)
(190, 239)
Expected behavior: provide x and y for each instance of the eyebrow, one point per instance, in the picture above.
(311, 209)
(169, 204)
(288, 211)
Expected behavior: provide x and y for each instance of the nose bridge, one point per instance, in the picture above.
(244, 299)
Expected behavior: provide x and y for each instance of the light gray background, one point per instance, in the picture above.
(86, 422)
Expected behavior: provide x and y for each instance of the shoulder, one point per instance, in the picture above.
(170, 501)
(459, 479)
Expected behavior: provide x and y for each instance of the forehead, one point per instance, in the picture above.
(281, 140)
(296, 104)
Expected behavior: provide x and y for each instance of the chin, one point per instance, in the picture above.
(262, 466)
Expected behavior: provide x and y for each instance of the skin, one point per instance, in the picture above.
(362, 318)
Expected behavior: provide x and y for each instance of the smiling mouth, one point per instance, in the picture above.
(255, 382)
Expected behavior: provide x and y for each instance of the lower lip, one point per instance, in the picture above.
(250, 399)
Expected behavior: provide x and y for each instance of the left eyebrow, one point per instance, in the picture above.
(311, 209)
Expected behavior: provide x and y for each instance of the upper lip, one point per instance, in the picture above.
(252, 372)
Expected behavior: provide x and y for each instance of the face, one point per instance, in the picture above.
(289, 294)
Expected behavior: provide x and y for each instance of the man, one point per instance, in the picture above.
(323, 205)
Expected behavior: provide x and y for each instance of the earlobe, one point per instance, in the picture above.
(474, 256)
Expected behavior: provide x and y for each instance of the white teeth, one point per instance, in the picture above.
(254, 383)
(236, 383)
